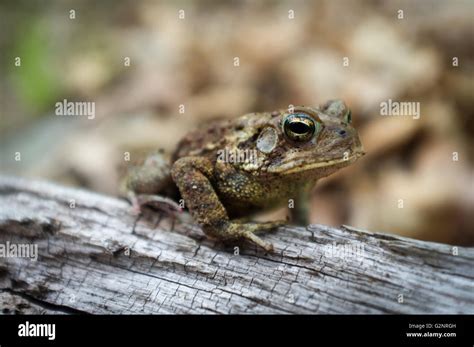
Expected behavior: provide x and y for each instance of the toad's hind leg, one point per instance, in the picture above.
(144, 182)
(191, 175)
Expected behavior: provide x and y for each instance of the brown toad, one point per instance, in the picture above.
(258, 161)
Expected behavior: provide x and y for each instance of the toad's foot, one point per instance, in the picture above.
(235, 230)
(161, 203)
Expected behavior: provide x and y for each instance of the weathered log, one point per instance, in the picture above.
(96, 256)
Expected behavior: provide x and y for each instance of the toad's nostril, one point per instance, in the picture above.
(342, 132)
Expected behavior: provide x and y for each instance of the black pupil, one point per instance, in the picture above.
(299, 127)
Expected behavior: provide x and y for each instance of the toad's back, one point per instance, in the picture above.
(203, 142)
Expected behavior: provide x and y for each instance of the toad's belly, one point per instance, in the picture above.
(245, 197)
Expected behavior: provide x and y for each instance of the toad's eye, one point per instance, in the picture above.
(348, 117)
(300, 127)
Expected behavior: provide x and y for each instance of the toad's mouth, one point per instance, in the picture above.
(294, 167)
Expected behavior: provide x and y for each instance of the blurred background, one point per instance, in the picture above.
(139, 61)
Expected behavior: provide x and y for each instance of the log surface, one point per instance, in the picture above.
(96, 256)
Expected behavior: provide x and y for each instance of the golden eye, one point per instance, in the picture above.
(300, 127)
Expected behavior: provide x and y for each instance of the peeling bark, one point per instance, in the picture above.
(100, 258)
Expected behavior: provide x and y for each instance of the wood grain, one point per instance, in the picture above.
(96, 256)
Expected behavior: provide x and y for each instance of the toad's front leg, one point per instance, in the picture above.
(192, 176)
